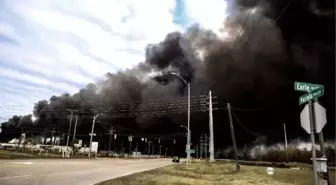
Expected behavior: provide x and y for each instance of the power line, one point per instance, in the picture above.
(284, 10)
(179, 99)
(276, 20)
(241, 28)
(145, 106)
(247, 130)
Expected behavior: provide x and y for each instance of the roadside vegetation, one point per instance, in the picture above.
(219, 173)
(277, 154)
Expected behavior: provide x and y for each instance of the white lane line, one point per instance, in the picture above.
(12, 177)
(27, 162)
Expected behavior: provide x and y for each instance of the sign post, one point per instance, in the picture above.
(313, 115)
(312, 137)
(130, 139)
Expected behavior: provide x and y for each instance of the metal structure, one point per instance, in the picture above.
(188, 135)
(211, 144)
(92, 129)
(233, 137)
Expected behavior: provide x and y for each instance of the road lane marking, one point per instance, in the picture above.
(17, 176)
(25, 162)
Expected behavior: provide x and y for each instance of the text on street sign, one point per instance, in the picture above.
(306, 87)
(311, 95)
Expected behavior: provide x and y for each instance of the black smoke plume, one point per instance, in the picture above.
(252, 62)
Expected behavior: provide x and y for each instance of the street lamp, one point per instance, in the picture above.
(91, 135)
(184, 127)
(188, 137)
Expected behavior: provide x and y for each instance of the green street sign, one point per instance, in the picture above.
(192, 151)
(311, 95)
(314, 91)
(306, 87)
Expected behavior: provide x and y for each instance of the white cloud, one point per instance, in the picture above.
(60, 46)
(209, 14)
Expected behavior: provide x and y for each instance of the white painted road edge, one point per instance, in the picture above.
(29, 175)
(135, 172)
(12, 177)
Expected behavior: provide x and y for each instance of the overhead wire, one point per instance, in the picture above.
(179, 99)
(247, 130)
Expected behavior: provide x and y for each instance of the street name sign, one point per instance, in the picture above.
(306, 87)
(311, 95)
(313, 116)
(314, 91)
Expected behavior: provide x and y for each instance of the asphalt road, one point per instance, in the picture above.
(72, 172)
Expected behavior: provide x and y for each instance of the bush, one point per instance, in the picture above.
(280, 155)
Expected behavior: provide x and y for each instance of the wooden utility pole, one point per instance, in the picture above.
(111, 131)
(122, 146)
(206, 146)
(115, 143)
(149, 147)
(130, 139)
(68, 138)
(233, 138)
(325, 174)
(75, 128)
(52, 138)
(204, 141)
(286, 150)
(153, 145)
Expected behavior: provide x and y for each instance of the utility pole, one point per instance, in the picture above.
(189, 134)
(201, 147)
(130, 141)
(206, 147)
(285, 133)
(52, 138)
(92, 129)
(204, 144)
(211, 147)
(75, 128)
(67, 143)
(233, 137)
(153, 145)
(115, 143)
(110, 139)
(321, 140)
(159, 141)
(149, 148)
(173, 150)
(122, 146)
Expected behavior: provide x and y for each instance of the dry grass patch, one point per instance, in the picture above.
(215, 174)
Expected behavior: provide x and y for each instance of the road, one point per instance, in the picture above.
(72, 172)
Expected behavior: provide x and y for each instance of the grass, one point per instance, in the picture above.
(6, 154)
(13, 154)
(221, 173)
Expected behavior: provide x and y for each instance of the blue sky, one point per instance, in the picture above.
(52, 47)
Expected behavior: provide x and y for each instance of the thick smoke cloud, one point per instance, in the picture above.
(246, 64)
(248, 58)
